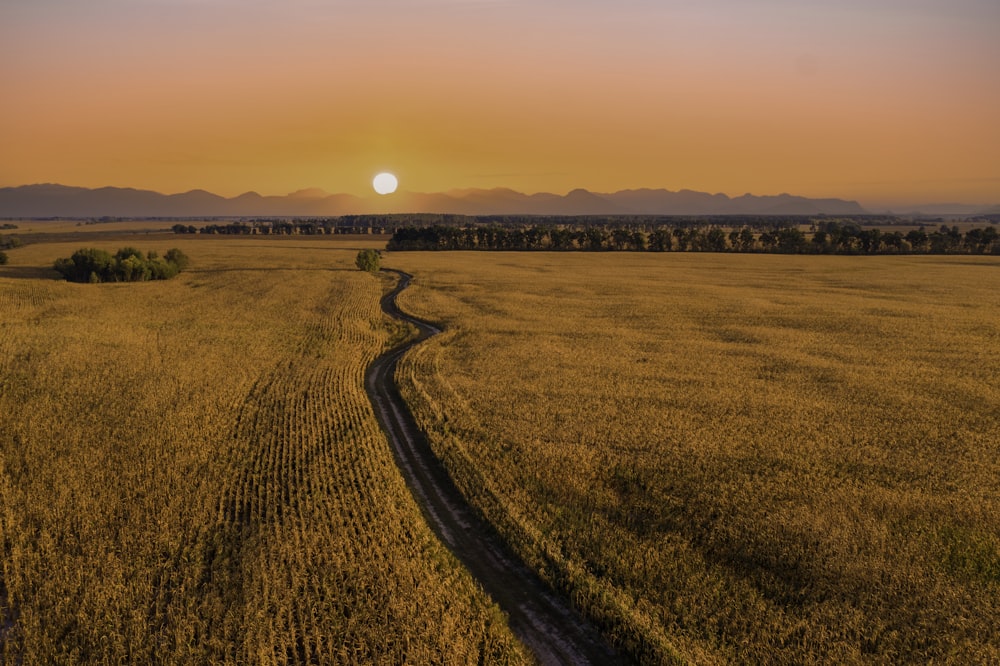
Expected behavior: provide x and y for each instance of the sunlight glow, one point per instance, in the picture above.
(385, 183)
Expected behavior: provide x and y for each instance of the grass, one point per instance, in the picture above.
(190, 471)
(732, 458)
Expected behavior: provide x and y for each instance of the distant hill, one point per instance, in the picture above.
(61, 201)
(948, 210)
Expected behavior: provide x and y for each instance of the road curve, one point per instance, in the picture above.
(547, 625)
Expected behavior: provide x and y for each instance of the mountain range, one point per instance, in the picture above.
(49, 200)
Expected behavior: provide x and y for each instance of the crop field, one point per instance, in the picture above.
(124, 226)
(731, 458)
(190, 471)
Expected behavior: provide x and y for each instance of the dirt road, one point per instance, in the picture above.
(553, 631)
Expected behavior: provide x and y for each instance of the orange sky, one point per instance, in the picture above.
(884, 101)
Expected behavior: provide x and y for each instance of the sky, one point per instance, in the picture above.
(881, 101)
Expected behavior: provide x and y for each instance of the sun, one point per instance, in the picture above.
(385, 183)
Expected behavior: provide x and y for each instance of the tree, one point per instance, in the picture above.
(132, 268)
(917, 239)
(981, 240)
(715, 240)
(620, 237)
(595, 238)
(746, 239)
(659, 240)
(9, 242)
(3, 258)
(127, 265)
(790, 240)
(87, 265)
(368, 260)
(161, 269)
(561, 239)
(870, 240)
(682, 238)
(820, 241)
(177, 258)
(639, 241)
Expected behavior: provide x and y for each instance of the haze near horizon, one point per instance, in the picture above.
(885, 102)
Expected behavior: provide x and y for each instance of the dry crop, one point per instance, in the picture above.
(190, 472)
(750, 459)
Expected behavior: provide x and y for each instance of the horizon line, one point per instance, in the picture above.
(882, 205)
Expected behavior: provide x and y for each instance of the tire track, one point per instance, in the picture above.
(547, 625)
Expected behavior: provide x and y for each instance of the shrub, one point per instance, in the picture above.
(3, 258)
(368, 260)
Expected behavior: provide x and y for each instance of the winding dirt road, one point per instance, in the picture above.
(549, 627)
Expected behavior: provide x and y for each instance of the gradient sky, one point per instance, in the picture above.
(883, 101)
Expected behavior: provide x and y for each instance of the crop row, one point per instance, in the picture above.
(190, 472)
(734, 458)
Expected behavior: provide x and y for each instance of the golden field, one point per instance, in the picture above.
(190, 471)
(731, 458)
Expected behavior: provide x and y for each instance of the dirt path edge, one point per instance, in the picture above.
(548, 625)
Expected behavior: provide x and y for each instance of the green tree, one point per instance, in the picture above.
(659, 240)
(821, 241)
(177, 258)
(126, 252)
(917, 239)
(133, 268)
(790, 240)
(87, 265)
(715, 240)
(127, 265)
(682, 238)
(639, 241)
(368, 260)
(595, 238)
(620, 237)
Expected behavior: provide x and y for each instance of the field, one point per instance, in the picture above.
(90, 227)
(731, 458)
(719, 458)
(190, 471)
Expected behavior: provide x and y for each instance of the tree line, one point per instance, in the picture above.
(826, 237)
(275, 228)
(127, 265)
(311, 227)
(382, 223)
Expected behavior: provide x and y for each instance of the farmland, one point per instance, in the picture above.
(731, 458)
(190, 471)
(717, 457)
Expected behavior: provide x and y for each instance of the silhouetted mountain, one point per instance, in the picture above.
(62, 201)
(310, 193)
(786, 204)
(947, 210)
(684, 202)
(503, 199)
